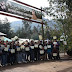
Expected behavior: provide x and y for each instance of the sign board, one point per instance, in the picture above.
(40, 37)
(1, 37)
(54, 37)
(12, 7)
(65, 42)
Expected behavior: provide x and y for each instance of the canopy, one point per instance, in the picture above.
(7, 39)
(2, 34)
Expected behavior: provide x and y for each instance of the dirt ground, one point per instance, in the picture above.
(63, 65)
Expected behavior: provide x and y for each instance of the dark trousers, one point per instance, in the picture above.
(45, 55)
(8, 58)
(36, 53)
(58, 56)
(12, 58)
(27, 54)
(0, 57)
(42, 56)
(32, 55)
(49, 55)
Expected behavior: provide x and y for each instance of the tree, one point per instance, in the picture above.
(5, 27)
(25, 31)
(35, 33)
(61, 11)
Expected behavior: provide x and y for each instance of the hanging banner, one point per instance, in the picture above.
(14, 8)
(40, 37)
(54, 37)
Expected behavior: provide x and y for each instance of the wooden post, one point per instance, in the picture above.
(42, 28)
(42, 33)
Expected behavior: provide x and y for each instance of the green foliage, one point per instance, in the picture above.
(28, 33)
(25, 31)
(61, 10)
(5, 28)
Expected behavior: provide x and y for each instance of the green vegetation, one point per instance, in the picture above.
(61, 11)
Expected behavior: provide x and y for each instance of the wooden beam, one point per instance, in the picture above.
(19, 17)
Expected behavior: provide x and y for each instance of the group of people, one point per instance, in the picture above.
(14, 52)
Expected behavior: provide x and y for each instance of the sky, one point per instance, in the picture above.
(36, 3)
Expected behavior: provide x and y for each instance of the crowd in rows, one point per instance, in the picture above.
(14, 52)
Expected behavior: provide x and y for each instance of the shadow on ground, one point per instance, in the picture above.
(63, 58)
(35, 63)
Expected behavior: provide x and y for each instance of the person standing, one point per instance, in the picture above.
(22, 52)
(0, 50)
(45, 49)
(27, 52)
(4, 54)
(32, 51)
(56, 48)
(36, 51)
(49, 50)
(41, 51)
(12, 53)
(18, 53)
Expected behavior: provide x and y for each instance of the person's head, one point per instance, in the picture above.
(2, 42)
(26, 43)
(49, 42)
(55, 40)
(35, 42)
(5, 45)
(13, 42)
(31, 41)
(40, 42)
(45, 42)
(26, 40)
(7, 42)
(22, 43)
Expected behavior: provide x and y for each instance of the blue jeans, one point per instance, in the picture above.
(23, 56)
(19, 57)
(4, 59)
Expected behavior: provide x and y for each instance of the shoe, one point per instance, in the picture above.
(25, 61)
(3, 65)
(19, 62)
